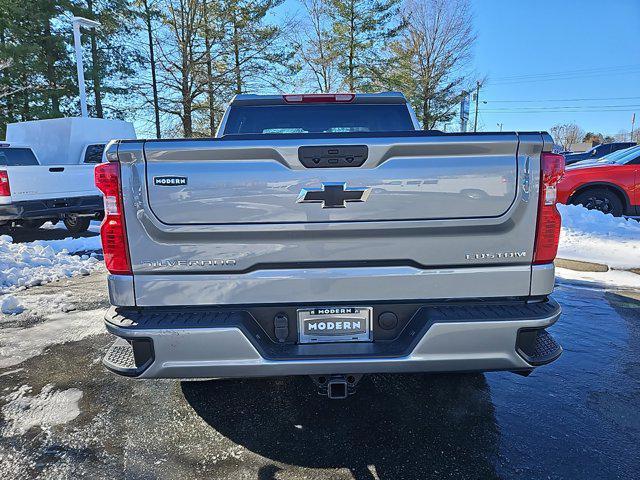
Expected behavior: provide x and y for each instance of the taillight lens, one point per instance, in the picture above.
(549, 220)
(5, 189)
(320, 98)
(112, 229)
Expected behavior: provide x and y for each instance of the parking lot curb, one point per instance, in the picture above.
(582, 266)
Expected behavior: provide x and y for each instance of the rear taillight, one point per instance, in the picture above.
(320, 98)
(112, 230)
(549, 221)
(5, 189)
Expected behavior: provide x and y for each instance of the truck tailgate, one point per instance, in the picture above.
(247, 182)
(42, 182)
(242, 220)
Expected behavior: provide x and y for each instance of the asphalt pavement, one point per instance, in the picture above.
(62, 415)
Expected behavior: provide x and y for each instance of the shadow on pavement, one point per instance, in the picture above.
(404, 426)
(21, 235)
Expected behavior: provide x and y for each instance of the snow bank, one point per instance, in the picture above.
(34, 263)
(48, 408)
(612, 278)
(71, 245)
(592, 236)
(41, 305)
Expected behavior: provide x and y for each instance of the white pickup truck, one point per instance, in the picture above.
(32, 194)
(46, 171)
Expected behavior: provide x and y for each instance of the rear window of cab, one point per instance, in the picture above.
(13, 157)
(318, 118)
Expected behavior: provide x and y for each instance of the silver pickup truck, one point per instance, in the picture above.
(325, 235)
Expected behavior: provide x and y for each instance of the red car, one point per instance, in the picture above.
(610, 184)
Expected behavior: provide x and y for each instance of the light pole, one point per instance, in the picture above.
(499, 125)
(475, 119)
(77, 23)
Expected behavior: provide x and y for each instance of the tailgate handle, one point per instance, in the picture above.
(56, 169)
(333, 156)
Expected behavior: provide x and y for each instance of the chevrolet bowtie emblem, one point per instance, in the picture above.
(334, 195)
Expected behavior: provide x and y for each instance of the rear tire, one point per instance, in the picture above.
(76, 224)
(600, 199)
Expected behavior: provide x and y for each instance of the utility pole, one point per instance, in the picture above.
(77, 23)
(475, 120)
(464, 111)
(499, 125)
(633, 125)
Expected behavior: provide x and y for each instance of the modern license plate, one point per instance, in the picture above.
(335, 324)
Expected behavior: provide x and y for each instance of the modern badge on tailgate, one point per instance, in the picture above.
(169, 181)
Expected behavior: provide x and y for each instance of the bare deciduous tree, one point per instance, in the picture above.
(566, 134)
(431, 56)
(181, 57)
(315, 46)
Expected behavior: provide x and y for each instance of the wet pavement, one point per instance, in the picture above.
(576, 418)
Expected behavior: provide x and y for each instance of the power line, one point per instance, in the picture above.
(567, 107)
(573, 77)
(563, 100)
(568, 72)
(565, 76)
(559, 111)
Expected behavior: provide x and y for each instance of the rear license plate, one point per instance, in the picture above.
(334, 324)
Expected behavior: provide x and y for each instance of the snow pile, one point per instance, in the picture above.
(71, 245)
(34, 263)
(592, 236)
(50, 407)
(43, 305)
(38, 305)
(10, 305)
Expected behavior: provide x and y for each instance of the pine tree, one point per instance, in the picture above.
(362, 28)
(114, 54)
(40, 81)
(148, 14)
(255, 51)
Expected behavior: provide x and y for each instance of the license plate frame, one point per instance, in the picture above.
(327, 324)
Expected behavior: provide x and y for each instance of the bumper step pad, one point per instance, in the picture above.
(121, 358)
(538, 347)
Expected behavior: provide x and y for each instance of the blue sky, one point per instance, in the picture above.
(580, 49)
(587, 50)
(549, 61)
